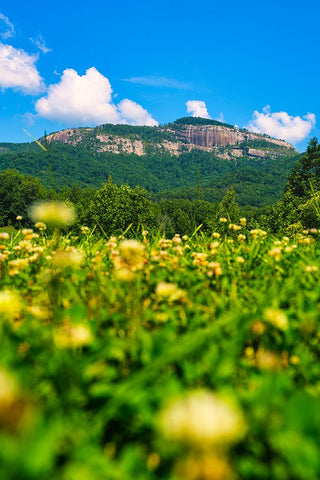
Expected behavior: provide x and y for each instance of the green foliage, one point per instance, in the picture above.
(114, 209)
(306, 170)
(228, 207)
(184, 216)
(198, 121)
(261, 144)
(146, 134)
(257, 182)
(300, 201)
(87, 374)
(17, 193)
(81, 198)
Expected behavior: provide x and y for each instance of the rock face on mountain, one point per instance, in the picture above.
(219, 136)
(174, 139)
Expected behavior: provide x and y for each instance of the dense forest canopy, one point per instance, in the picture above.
(113, 207)
(257, 181)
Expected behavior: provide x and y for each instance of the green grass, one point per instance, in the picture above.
(99, 336)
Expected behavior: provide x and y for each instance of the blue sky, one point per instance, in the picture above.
(79, 63)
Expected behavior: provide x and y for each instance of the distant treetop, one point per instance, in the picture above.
(200, 121)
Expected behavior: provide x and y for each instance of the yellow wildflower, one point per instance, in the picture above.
(177, 240)
(85, 230)
(131, 255)
(73, 337)
(275, 253)
(14, 409)
(268, 360)
(240, 260)
(311, 268)
(258, 233)
(169, 291)
(10, 303)
(41, 225)
(53, 213)
(214, 269)
(202, 418)
(207, 465)
(276, 317)
(67, 258)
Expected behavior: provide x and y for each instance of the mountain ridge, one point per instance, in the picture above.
(194, 160)
(185, 134)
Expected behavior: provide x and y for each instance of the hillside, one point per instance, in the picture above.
(183, 135)
(189, 158)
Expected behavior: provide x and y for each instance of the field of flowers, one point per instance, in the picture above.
(151, 358)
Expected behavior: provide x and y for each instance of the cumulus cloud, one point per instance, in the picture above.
(40, 43)
(134, 114)
(282, 125)
(8, 27)
(18, 70)
(197, 108)
(87, 100)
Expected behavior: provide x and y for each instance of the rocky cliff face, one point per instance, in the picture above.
(209, 135)
(177, 138)
(218, 136)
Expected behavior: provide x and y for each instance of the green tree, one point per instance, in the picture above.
(228, 207)
(81, 199)
(306, 170)
(17, 193)
(114, 208)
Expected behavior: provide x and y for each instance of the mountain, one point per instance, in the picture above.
(188, 158)
(185, 134)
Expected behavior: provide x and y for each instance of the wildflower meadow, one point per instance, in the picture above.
(184, 358)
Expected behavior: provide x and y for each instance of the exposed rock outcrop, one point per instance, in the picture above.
(218, 136)
(116, 144)
(255, 152)
(210, 135)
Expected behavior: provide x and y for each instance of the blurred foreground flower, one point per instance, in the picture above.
(53, 213)
(205, 466)
(131, 255)
(72, 337)
(170, 292)
(14, 408)
(203, 419)
(71, 257)
(276, 317)
(10, 303)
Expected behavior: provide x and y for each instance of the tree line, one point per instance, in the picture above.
(114, 208)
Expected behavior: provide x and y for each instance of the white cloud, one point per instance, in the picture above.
(87, 100)
(221, 118)
(197, 108)
(135, 114)
(40, 43)
(282, 125)
(9, 27)
(18, 70)
(158, 81)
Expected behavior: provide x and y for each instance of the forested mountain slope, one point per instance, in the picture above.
(190, 158)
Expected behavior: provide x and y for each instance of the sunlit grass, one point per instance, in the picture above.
(121, 357)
